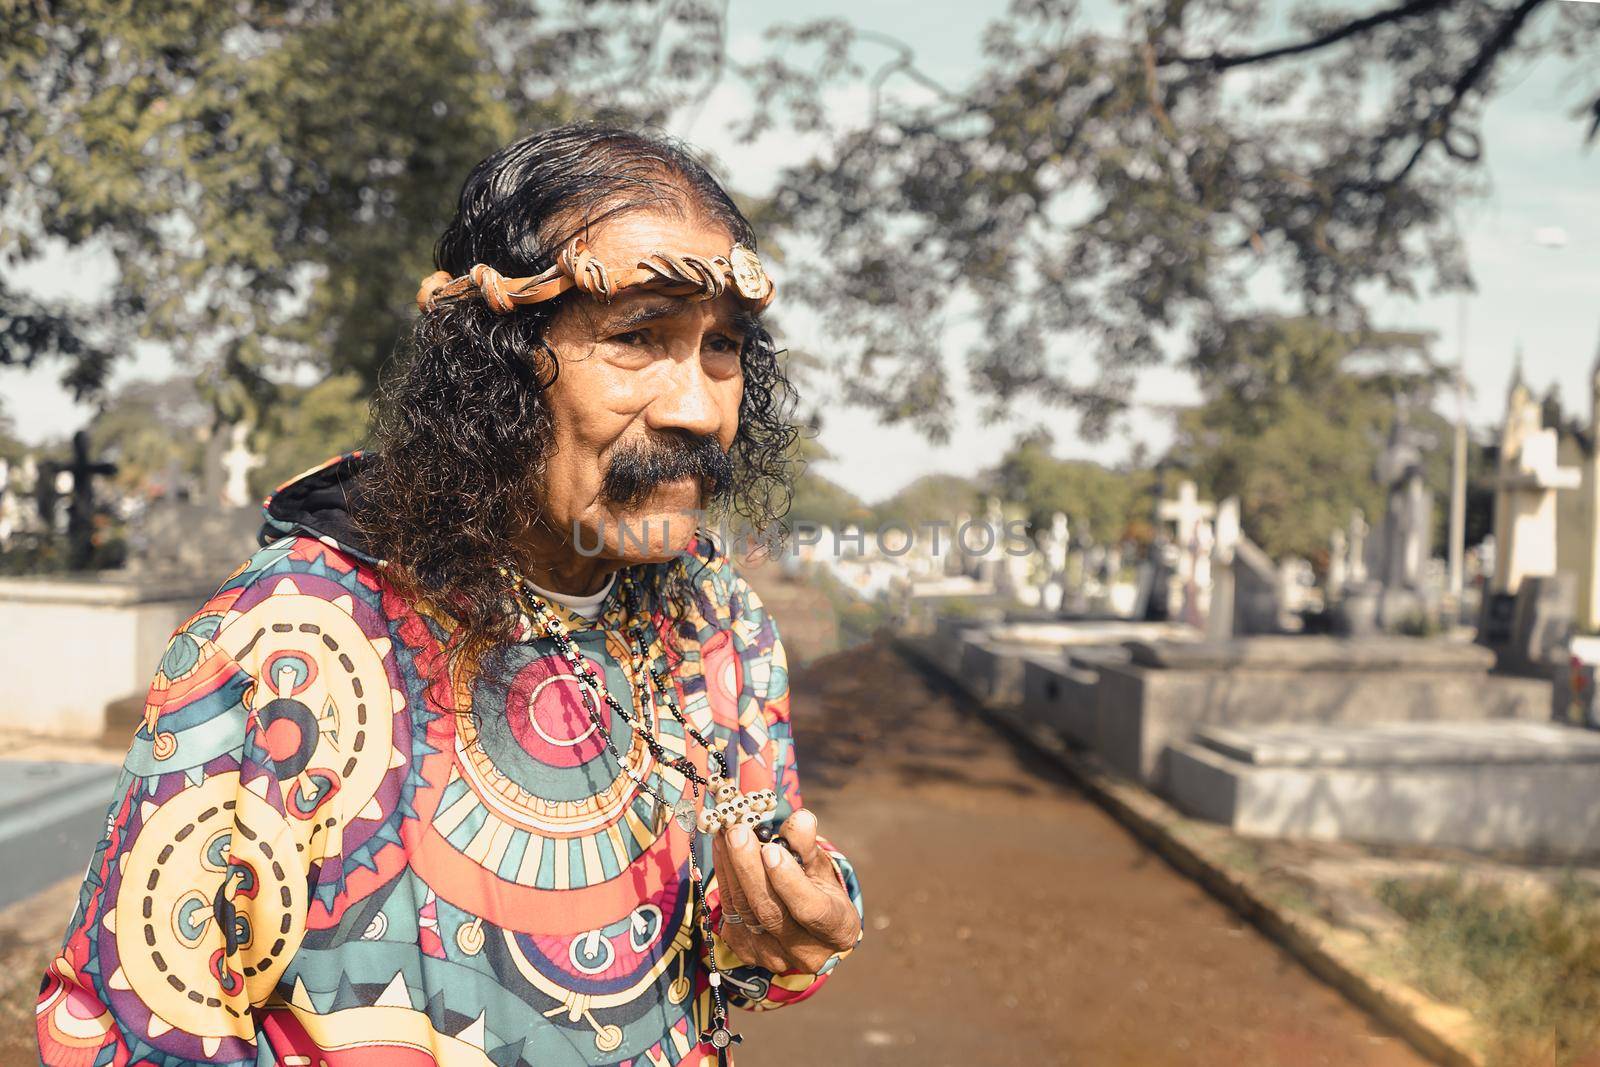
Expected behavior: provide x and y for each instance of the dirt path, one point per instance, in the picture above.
(1011, 921)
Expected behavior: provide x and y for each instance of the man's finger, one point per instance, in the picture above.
(752, 946)
(800, 830)
(733, 899)
(744, 854)
(807, 903)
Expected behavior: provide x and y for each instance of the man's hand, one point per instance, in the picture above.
(795, 913)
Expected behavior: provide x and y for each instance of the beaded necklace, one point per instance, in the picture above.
(726, 806)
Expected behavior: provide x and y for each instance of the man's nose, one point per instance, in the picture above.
(685, 401)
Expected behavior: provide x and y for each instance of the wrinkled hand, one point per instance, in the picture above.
(795, 912)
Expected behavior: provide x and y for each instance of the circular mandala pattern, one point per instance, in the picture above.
(177, 947)
(334, 726)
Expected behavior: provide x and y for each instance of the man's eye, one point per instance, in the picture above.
(632, 337)
(726, 345)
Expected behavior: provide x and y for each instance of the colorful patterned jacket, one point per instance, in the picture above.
(320, 852)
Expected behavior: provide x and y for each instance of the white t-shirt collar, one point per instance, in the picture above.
(587, 606)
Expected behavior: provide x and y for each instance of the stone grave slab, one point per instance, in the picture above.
(1050, 667)
(1167, 691)
(1487, 785)
(991, 670)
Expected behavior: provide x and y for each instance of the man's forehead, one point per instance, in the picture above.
(623, 240)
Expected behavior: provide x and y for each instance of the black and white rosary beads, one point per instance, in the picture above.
(726, 806)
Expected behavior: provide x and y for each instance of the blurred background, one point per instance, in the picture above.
(1273, 329)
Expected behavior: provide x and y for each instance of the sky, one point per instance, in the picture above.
(1533, 244)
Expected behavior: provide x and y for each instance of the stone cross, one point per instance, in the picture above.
(1187, 511)
(1525, 510)
(1224, 544)
(1198, 580)
(80, 511)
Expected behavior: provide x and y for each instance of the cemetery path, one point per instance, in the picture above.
(1011, 921)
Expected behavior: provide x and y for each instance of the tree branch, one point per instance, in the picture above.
(1438, 124)
(1221, 61)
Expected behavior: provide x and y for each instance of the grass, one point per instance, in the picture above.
(1527, 968)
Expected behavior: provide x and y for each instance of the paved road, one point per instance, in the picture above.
(1011, 921)
(51, 815)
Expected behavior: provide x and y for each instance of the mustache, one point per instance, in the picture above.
(636, 469)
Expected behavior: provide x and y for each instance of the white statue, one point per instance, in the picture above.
(237, 463)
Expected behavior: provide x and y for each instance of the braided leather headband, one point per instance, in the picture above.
(576, 268)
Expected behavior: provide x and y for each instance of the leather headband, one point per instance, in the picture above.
(576, 268)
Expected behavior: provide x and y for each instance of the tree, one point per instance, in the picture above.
(1106, 504)
(1094, 196)
(268, 177)
(1294, 418)
(318, 422)
(933, 498)
(152, 429)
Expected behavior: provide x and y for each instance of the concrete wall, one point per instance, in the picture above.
(992, 672)
(1061, 695)
(1139, 711)
(68, 648)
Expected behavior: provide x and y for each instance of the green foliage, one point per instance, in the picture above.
(859, 619)
(151, 429)
(318, 423)
(267, 177)
(1527, 969)
(1108, 505)
(11, 448)
(932, 498)
(1293, 419)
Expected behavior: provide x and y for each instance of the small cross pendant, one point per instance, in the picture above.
(721, 1038)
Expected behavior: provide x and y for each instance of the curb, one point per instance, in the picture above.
(1151, 819)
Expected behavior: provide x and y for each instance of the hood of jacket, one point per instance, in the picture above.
(320, 503)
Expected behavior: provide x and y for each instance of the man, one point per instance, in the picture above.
(474, 761)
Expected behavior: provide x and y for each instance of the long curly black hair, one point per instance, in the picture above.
(461, 425)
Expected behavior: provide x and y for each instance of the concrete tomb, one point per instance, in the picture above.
(1168, 690)
(1524, 786)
